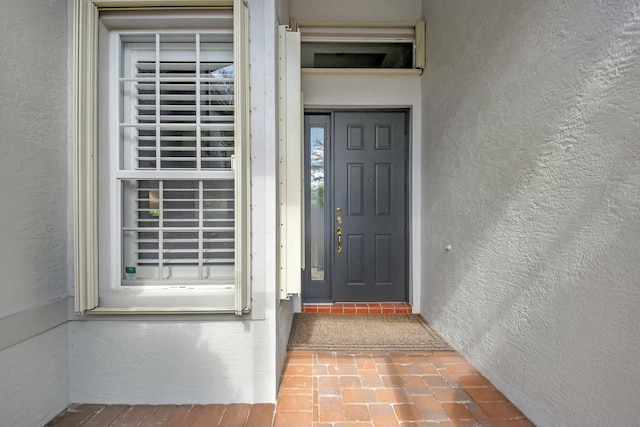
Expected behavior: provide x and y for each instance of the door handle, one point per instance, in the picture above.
(339, 234)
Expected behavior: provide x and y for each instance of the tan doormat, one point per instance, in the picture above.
(379, 332)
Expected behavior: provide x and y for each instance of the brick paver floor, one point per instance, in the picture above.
(336, 389)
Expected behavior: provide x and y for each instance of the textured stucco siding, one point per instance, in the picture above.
(33, 154)
(531, 172)
(35, 379)
(34, 372)
(404, 11)
(283, 329)
(172, 362)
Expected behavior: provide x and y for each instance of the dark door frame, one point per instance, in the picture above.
(309, 294)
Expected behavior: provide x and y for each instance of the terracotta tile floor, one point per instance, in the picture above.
(358, 308)
(322, 389)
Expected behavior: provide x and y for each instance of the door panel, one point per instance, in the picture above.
(355, 188)
(383, 258)
(383, 184)
(369, 197)
(355, 252)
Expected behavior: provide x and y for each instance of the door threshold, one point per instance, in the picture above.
(358, 308)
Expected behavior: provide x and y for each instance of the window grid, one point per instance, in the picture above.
(189, 238)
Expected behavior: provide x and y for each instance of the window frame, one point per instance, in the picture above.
(86, 99)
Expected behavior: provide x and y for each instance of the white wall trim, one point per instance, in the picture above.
(26, 324)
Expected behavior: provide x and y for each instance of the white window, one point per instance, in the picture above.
(168, 229)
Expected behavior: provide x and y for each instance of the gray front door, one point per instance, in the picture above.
(369, 206)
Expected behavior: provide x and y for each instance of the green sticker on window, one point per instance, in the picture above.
(130, 273)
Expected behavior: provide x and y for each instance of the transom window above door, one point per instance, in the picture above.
(327, 46)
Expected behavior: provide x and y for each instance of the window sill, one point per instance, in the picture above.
(147, 300)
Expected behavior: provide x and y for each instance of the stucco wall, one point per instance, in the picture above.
(405, 11)
(200, 359)
(283, 11)
(33, 211)
(172, 361)
(531, 172)
(35, 379)
(283, 329)
(33, 164)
